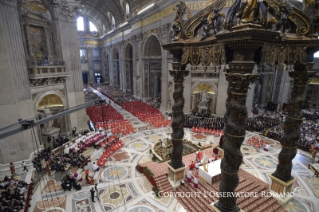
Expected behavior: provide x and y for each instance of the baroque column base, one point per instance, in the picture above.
(216, 209)
(175, 176)
(280, 190)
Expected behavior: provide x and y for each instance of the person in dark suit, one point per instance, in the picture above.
(92, 194)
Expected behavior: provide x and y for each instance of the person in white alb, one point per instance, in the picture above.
(95, 167)
(267, 147)
(24, 164)
(189, 176)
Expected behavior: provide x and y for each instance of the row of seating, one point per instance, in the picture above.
(105, 113)
(207, 131)
(109, 151)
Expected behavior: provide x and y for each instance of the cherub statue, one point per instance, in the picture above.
(212, 20)
(283, 23)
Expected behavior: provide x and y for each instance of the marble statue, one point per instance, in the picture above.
(47, 113)
(204, 100)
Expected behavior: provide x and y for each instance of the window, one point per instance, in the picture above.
(96, 53)
(127, 10)
(80, 24)
(316, 55)
(113, 22)
(82, 53)
(92, 27)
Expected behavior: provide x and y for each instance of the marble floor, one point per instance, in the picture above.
(122, 188)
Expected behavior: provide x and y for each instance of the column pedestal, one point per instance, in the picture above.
(175, 176)
(215, 209)
(280, 190)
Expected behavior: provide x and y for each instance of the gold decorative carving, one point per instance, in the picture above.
(50, 100)
(204, 87)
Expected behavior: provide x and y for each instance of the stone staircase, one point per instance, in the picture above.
(203, 200)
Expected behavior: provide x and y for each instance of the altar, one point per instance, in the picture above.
(213, 174)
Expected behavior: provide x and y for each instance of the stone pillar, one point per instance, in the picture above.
(90, 65)
(70, 47)
(178, 115)
(281, 179)
(16, 100)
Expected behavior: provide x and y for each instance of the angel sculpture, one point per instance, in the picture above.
(204, 100)
(283, 22)
(212, 20)
(180, 10)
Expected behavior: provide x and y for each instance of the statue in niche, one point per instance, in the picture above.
(248, 11)
(204, 101)
(46, 113)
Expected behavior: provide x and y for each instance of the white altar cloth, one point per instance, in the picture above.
(213, 171)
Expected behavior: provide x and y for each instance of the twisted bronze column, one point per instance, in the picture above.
(178, 115)
(234, 137)
(301, 76)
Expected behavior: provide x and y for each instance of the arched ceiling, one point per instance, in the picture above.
(97, 15)
(102, 7)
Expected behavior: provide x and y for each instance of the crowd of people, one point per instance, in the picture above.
(311, 114)
(114, 93)
(13, 194)
(89, 95)
(309, 134)
(55, 142)
(214, 123)
(71, 182)
(59, 162)
(261, 123)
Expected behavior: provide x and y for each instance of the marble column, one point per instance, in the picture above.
(90, 65)
(70, 54)
(16, 100)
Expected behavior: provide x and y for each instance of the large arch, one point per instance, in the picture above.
(152, 53)
(128, 64)
(63, 123)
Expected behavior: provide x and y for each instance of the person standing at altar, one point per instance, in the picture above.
(189, 175)
(196, 178)
(12, 169)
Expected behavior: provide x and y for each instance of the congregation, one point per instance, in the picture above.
(13, 194)
(89, 95)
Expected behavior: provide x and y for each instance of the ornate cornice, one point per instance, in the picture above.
(66, 9)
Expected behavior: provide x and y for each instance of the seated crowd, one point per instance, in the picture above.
(89, 95)
(13, 194)
(261, 123)
(58, 162)
(214, 123)
(114, 93)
